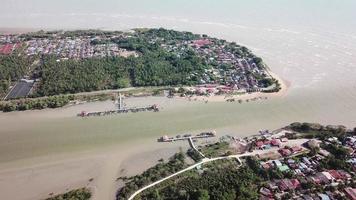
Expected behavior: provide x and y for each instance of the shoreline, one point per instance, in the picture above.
(95, 169)
(247, 96)
(144, 92)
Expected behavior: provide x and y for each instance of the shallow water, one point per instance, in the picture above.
(311, 44)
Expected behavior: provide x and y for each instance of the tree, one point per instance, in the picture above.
(155, 195)
(230, 195)
(203, 195)
(123, 83)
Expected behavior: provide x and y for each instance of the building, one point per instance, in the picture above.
(350, 193)
(285, 152)
(277, 163)
(275, 142)
(283, 168)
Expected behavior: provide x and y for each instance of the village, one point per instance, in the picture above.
(301, 172)
(230, 68)
(78, 48)
(296, 165)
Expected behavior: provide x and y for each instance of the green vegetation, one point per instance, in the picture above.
(314, 130)
(161, 170)
(12, 68)
(339, 154)
(161, 58)
(79, 194)
(155, 67)
(216, 149)
(267, 82)
(35, 104)
(62, 100)
(220, 180)
(193, 154)
(337, 159)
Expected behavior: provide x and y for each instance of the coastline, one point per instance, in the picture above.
(97, 169)
(247, 96)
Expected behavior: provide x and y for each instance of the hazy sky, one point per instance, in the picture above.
(333, 14)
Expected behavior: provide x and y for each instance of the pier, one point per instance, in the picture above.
(153, 108)
(187, 137)
(121, 109)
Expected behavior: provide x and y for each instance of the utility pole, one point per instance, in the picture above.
(121, 106)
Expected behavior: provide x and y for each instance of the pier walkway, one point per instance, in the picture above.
(191, 143)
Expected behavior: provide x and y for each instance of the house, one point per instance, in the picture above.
(283, 168)
(266, 192)
(285, 152)
(322, 178)
(295, 183)
(292, 164)
(339, 174)
(323, 197)
(335, 174)
(275, 142)
(328, 176)
(287, 184)
(344, 174)
(277, 163)
(302, 166)
(333, 140)
(307, 197)
(259, 144)
(306, 161)
(323, 152)
(296, 149)
(266, 165)
(265, 198)
(350, 193)
(284, 139)
(272, 185)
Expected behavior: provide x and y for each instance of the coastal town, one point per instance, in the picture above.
(226, 68)
(315, 164)
(64, 47)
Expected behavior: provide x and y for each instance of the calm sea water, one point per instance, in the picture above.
(309, 43)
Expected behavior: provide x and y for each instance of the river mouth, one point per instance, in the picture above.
(49, 131)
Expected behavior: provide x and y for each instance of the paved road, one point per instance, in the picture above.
(21, 89)
(206, 160)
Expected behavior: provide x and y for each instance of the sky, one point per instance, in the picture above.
(325, 14)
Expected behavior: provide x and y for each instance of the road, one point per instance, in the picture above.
(206, 160)
(21, 89)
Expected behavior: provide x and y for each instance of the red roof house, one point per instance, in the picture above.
(275, 142)
(296, 149)
(259, 144)
(285, 152)
(350, 193)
